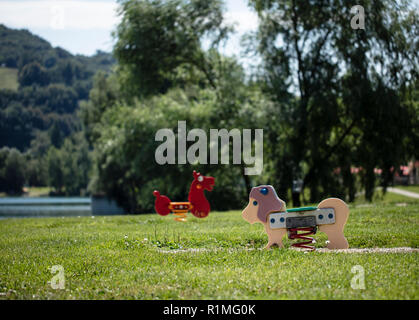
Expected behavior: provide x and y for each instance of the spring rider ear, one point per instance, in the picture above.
(329, 216)
(197, 203)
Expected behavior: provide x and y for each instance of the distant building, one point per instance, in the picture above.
(407, 175)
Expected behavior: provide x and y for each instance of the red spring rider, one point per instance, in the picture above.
(198, 203)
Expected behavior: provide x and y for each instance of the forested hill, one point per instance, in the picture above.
(41, 87)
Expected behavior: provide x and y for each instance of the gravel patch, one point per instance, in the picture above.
(323, 250)
(371, 250)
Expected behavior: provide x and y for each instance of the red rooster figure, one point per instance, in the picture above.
(198, 204)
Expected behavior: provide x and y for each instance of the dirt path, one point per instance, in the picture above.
(371, 250)
(323, 250)
(403, 192)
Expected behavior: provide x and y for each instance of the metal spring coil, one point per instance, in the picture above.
(293, 234)
(180, 215)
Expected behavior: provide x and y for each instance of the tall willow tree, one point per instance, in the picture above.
(340, 91)
(155, 37)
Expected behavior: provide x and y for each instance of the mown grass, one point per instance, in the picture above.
(389, 198)
(37, 191)
(220, 257)
(8, 78)
(31, 192)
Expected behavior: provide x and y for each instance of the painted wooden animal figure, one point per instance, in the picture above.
(329, 216)
(197, 203)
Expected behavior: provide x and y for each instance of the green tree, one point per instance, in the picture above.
(124, 154)
(69, 166)
(155, 37)
(12, 172)
(104, 95)
(347, 85)
(56, 135)
(68, 74)
(33, 74)
(164, 76)
(77, 164)
(55, 169)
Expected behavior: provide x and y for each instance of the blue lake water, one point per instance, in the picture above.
(15, 207)
(44, 200)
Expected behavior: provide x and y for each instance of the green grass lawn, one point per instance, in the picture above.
(388, 198)
(31, 192)
(220, 257)
(38, 191)
(8, 78)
